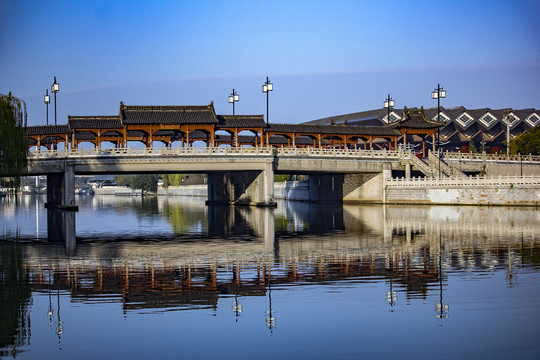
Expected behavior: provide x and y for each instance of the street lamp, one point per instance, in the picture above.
(47, 100)
(438, 93)
(508, 113)
(521, 158)
(389, 104)
(233, 98)
(55, 87)
(266, 88)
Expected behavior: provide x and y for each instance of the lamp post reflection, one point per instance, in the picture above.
(441, 309)
(270, 319)
(391, 296)
(236, 307)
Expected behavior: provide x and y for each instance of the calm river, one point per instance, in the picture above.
(170, 278)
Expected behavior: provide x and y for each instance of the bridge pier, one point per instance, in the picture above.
(61, 190)
(250, 187)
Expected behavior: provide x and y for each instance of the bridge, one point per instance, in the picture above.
(245, 175)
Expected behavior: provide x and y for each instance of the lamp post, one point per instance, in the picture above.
(233, 98)
(266, 88)
(55, 87)
(389, 104)
(521, 158)
(438, 93)
(47, 100)
(507, 115)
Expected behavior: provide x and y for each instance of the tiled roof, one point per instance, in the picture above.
(415, 119)
(241, 121)
(47, 130)
(332, 129)
(94, 122)
(176, 115)
(340, 119)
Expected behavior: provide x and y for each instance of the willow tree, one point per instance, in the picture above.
(13, 144)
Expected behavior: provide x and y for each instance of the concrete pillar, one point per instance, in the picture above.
(252, 188)
(407, 171)
(61, 190)
(326, 188)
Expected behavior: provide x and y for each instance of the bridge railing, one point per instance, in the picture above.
(217, 151)
(471, 181)
(475, 157)
(161, 151)
(321, 152)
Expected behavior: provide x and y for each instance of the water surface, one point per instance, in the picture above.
(172, 278)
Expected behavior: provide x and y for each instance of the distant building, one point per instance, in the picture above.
(484, 127)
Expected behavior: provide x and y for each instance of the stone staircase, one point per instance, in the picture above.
(421, 165)
(445, 170)
(432, 167)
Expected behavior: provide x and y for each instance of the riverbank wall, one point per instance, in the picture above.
(502, 190)
(429, 191)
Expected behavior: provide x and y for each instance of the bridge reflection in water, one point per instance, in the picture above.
(242, 250)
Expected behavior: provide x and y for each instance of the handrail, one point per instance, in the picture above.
(215, 151)
(489, 157)
(447, 170)
(420, 164)
(471, 181)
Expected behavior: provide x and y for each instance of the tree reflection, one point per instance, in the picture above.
(15, 297)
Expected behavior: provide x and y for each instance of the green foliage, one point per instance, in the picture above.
(282, 178)
(146, 182)
(175, 179)
(527, 143)
(472, 148)
(13, 144)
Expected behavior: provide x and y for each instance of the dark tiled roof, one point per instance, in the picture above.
(339, 119)
(415, 119)
(241, 121)
(332, 129)
(47, 130)
(85, 135)
(176, 115)
(94, 122)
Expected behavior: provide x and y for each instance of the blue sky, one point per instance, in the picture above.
(324, 57)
